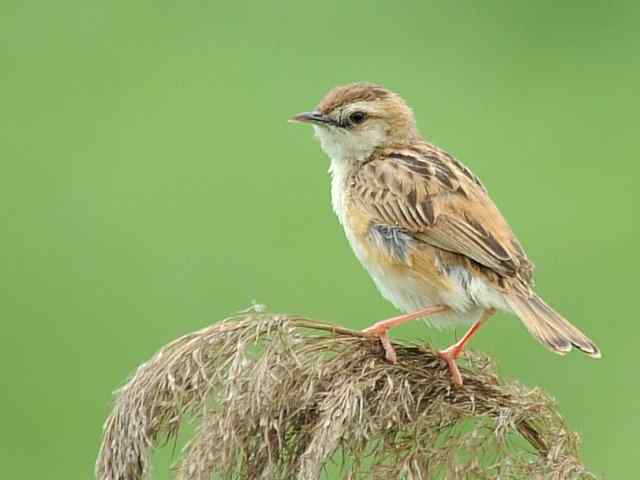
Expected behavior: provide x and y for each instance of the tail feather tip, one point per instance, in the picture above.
(594, 353)
(550, 328)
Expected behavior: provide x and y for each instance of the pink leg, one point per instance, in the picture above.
(381, 329)
(454, 351)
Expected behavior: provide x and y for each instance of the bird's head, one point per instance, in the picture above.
(353, 120)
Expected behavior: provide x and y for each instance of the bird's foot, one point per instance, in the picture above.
(450, 355)
(382, 333)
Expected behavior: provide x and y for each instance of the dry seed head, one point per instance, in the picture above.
(275, 397)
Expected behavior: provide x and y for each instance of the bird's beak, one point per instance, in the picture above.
(314, 117)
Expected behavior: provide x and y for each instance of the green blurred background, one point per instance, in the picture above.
(150, 185)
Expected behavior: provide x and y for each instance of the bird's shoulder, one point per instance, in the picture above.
(426, 192)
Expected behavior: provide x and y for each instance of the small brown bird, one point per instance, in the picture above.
(424, 227)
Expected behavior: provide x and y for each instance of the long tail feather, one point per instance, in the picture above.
(549, 327)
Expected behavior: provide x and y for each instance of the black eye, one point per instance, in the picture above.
(357, 117)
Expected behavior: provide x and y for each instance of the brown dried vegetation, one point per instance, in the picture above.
(282, 397)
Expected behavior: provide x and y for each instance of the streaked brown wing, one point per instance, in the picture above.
(431, 195)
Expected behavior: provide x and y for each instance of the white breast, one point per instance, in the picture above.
(339, 179)
(339, 188)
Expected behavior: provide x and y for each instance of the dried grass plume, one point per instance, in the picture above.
(277, 396)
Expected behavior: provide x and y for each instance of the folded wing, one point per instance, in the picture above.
(429, 194)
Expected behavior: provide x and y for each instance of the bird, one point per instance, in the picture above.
(424, 226)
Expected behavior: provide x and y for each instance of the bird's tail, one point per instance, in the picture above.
(549, 327)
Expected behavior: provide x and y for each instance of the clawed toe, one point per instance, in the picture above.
(389, 352)
(382, 333)
(450, 356)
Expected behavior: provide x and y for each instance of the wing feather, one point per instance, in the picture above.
(437, 200)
